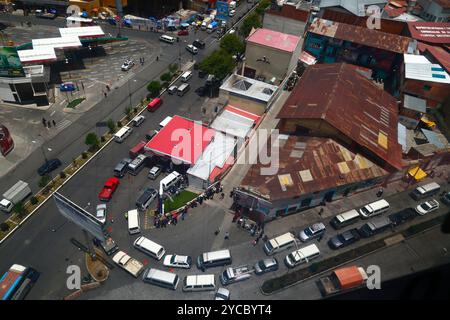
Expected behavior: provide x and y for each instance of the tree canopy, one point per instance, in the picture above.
(252, 21)
(219, 63)
(232, 44)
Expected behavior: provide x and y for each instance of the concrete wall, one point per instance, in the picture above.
(285, 25)
(247, 105)
(279, 61)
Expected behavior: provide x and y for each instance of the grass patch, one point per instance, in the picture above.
(72, 104)
(179, 200)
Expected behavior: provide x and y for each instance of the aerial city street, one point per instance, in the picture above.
(223, 150)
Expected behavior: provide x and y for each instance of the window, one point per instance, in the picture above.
(306, 202)
(426, 87)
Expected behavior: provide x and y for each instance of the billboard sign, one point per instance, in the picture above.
(222, 10)
(79, 216)
(10, 65)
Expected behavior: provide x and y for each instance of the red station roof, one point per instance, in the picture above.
(181, 139)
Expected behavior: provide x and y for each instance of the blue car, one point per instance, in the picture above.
(67, 87)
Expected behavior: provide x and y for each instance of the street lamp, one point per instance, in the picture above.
(67, 66)
(129, 90)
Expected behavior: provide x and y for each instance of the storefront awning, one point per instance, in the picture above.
(417, 173)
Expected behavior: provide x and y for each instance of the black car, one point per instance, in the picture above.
(344, 239)
(201, 74)
(200, 44)
(201, 91)
(402, 216)
(49, 166)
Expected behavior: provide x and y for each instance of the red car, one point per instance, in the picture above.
(108, 189)
(154, 104)
(183, 33)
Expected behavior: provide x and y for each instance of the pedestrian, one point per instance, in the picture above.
(157, 58)
(255, 242)
(320, 211)
(49, 124)
(105, 94)
(54, 123)
(222, 195)
(143, 60)
(44, 122)
(380, 192)
(227, 235)
(265, 238)
(108, 88)
(216, 232)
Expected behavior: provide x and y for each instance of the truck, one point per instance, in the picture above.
(205, 23)
(14, 195)
(109, 246)
(232, 275)
(17, 282)
(212, 26)
(129, 264)
(342, 280)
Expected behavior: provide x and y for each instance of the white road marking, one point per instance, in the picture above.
(63, 124)
(51, 114)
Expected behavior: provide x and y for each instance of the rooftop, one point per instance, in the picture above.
(235, 122)
(274, 39)
(426, 72)
(181, 139)
(82, 32)
(441, 55)
(347, 100)
(360, 35)
(57, 43)
(357, 7)
(250, 88)
(301, 171)
(299, 11)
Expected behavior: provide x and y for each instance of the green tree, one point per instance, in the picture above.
(19, 208)
(4, 227)
(166, 77)
(154, 88)
(44, 181)
(262, 6)
(219, 63)
(92, 140)
(129, 112)
(111, 125)
(252, 21)
(232, 44)
(173, 68)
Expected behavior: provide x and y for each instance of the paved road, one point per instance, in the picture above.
(112, 107)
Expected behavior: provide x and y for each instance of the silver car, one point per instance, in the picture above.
(314, 231)
(222, 294)
(101, 213)
(266, 265)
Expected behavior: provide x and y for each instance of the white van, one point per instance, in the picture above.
(170, 180)
(426, 190)
(214, 259)
(345, 219)
(161, 278)
(279, 243)
(121, 135)
(374, 209)
(166, 120)
(186, 76)
(203, 282)
(302, 255)
(149, 247)
(133, 222)
(167, 39)
(183, 89)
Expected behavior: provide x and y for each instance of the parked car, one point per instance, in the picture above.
(67, 87)
(222, 294)
(172, 90)
(49, 166)
(108, 189)
(177, 261)
(109, 246)
(101, 213)
(183, 32)
(138, 121)
(344, 239)
(201, 91)
(446, 198)
(154, 104)
(127, 65)
(313, 231)
(200, 44)
(427, 207)
(402, 216)
(192, 49)
(266, 265)
(151, 134)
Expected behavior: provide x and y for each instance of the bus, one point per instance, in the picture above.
(17, 282)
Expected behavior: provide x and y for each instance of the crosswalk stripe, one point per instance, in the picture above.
(63, 124)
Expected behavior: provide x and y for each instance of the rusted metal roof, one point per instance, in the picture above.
(351, 103)
(360, 35)
(307, 165)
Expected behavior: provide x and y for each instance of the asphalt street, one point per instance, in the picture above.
(112, 107)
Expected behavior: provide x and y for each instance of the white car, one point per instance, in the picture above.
(222, 294)
(427, 207)
(177, 261)
(138, 120)
(192, 49)
(232, 13)
(314, 231)
(101, 213)
(127, 65)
